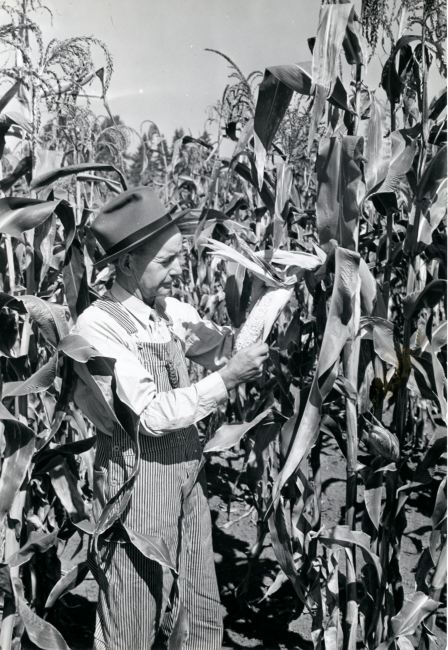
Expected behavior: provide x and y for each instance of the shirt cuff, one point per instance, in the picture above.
(212, 390)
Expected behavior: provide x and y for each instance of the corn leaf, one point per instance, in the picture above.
(77, 348)
(354, 43)
(391, 77)
(237, 291)
(74, 275)
(414, 611)
(152, 547)
(54, 175)
(38, 542)
(340, 327)
(343, 536)
(67, 490)
(9, 94)
(281, 544)
(377, 146)
(40, 632)
(50, 317)
(40, 381)
(282, 194)
(428, 297)
(229, 435)
(69, 581)
(274, 96)
(340, 190)
(255, 267)
(333, 21)
(20, 214)
(290, 259)
(404, 149)
(19, 450)
(432, 196)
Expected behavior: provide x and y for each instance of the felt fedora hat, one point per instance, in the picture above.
(130, 219)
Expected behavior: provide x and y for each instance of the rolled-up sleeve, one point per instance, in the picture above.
(159, 412)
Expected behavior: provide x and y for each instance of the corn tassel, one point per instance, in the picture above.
(262, 317)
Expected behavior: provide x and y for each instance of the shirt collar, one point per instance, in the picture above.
(137, 308)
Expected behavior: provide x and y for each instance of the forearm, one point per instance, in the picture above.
(182, 407)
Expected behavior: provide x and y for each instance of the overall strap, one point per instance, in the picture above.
(118, 312)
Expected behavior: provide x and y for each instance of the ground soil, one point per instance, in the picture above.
(269, 624)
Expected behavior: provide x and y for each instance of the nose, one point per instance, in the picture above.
(176, 268)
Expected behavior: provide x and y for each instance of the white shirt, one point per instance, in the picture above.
(162, 412)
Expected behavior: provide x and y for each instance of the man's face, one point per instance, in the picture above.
(155, 264)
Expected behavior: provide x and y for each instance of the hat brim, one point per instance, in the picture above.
(125, 246)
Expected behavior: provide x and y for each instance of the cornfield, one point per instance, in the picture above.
(333, 205)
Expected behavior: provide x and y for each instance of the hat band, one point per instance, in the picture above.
(144, 232)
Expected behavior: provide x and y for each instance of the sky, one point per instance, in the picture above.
(161, 69)
(162, 72)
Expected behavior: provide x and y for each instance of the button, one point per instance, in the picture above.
(116, 449)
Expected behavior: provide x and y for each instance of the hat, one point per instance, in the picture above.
(129, 219)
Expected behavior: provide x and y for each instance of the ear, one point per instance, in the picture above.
(124, 264)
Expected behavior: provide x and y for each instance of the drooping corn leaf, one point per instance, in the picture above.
(432, 197)
(54, 175)
(77, 348)
(228, 435)
(68, 449)
(255, 267)
(19, 450)
(40, 632)
(74, 275)
(19, 214)
(152, 547)
(344, 536)
(50, 317)
(40, 381)
(69, 581)
(37, 542)
(274, 96)
(403, 151)
(415, 609)
(340, 190)
(392, 78)
(341, 325)
(428, 297)
(291, 260)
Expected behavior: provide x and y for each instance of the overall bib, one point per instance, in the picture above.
(138, 600)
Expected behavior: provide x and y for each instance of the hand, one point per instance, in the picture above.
(245, 365)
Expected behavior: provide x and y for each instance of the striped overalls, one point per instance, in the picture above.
(138, 598)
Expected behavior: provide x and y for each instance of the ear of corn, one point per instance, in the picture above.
(262, 317)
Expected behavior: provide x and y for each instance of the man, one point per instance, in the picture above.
(149, 334)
